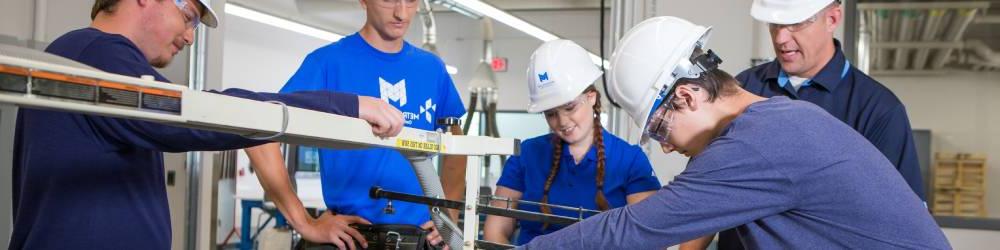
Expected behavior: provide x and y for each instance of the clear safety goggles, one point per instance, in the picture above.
(191, 17)
(795, 27)
(568, 108)
(662, 113)
(658, 125)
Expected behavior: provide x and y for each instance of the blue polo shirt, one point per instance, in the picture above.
(414, 81)
(855, 99)
(95, 182)
(627, 171)
(787, 175)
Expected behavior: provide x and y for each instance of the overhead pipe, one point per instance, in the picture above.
(986, 56)
(863, 60)
(931, 28)
(882, 31)
(38, 33)
(430, 28)
(959, 23)
(907, 23)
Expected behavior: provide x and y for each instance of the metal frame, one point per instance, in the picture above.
(209, 111)
(194, 162)
(850, 42)
(379, 193)
(8, 122)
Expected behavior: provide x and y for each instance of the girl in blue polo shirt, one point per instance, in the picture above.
(579, 164)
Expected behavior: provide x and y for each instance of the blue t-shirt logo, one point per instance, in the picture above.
(427, 110)
(543, 77)
(393, 91)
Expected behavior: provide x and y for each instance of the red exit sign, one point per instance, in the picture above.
(499, 64)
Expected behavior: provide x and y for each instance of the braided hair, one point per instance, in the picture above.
(602, 202)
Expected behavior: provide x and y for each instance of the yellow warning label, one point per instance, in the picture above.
(418, 145)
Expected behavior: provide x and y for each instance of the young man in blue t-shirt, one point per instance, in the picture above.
(94, 182)
(375, 62)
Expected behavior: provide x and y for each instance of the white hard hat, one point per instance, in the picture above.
(208, 17)
(649, 59)
(558, 72)
(786, 11)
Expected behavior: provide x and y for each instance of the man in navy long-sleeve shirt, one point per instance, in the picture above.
(784, 173)
(812, 67)
(93, 182)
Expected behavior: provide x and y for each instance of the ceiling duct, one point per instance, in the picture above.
(430, 28)
(916, 37)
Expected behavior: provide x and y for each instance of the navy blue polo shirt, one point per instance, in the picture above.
(95, 182)
(627, 171)
(787, 175)
(854, 98)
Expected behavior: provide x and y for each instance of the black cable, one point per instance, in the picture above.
(493, 127)
(474, 97)
(604, 76)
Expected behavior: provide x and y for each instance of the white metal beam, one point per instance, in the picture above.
(209, 111)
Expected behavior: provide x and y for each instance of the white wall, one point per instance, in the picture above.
(732, 27)
(961, 112)
(62, 16)
(17, 19)
(261, 57)
(967, 239)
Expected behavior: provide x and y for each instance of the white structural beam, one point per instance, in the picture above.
(209, 111)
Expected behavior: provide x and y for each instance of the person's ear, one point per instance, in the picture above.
(364, 4)
(834, 17)
(690, 96)
(591, 98)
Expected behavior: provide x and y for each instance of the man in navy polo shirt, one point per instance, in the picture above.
(810, 66)
(94, 182)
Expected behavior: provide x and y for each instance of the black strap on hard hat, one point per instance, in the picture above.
(707, 61)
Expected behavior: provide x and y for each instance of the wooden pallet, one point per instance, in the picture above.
(959, 183)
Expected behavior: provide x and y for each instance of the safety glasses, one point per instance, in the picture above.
(394, 3)
(658, 125)
(566, 109)
(795, 27)
(190, 13)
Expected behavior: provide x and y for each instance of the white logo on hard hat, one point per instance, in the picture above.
(543, 79)
(393, 91)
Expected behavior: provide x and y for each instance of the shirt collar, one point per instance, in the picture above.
(828, 78)
(591, 153)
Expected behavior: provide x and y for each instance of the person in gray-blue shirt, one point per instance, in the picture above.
(783, 172)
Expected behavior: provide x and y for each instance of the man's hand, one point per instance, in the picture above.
(334, 229)
(385, 119)
(434, 237)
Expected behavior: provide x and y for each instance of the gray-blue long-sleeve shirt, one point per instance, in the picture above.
(787, 175)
